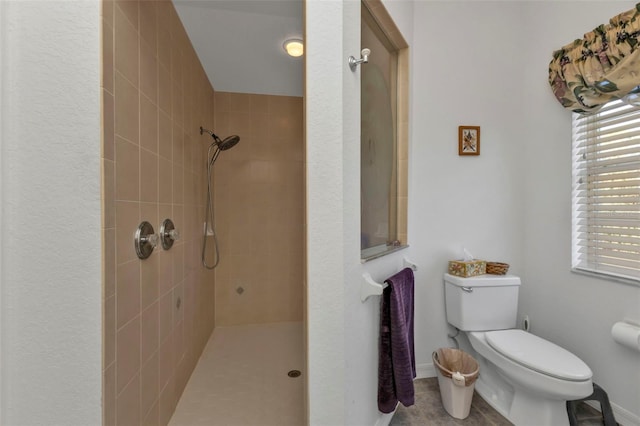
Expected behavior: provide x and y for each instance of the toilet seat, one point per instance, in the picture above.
(538, 354)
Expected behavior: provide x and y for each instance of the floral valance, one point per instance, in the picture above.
(601, 67)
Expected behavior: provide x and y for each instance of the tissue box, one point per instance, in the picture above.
(467, 268)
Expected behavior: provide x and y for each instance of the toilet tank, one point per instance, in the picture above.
(483, 302)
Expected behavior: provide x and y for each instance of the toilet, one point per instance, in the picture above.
(525, 378)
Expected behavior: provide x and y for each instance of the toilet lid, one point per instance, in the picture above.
(538, 354)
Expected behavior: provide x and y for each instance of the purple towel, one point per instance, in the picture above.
(396, 357)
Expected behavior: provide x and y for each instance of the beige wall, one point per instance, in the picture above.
(155, 97)
(259, 206)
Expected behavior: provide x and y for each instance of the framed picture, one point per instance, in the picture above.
(468, 140)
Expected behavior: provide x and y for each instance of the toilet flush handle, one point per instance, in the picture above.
(467, 289)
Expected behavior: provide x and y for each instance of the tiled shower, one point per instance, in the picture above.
(159, 313)
(259, 197)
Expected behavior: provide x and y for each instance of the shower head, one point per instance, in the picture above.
(228, 142)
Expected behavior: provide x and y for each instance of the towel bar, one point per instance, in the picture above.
(408, 264)
(369, 287)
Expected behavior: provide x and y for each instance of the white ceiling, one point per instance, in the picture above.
(239, 43)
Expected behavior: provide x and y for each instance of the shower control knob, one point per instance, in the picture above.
(150, 239)
(145, 240)
(168, 234)
(174, 234)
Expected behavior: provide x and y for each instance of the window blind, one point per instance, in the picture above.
(606, 191)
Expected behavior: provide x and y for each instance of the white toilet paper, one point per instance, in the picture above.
(627, 335)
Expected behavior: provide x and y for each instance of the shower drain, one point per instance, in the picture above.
(294, 373)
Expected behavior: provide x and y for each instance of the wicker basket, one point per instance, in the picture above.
(497, 268)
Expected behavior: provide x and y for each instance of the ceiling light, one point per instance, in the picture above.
(294, 47)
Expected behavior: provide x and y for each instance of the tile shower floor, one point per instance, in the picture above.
(241, 378)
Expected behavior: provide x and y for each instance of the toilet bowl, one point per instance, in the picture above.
(542, 385)
(524, 377)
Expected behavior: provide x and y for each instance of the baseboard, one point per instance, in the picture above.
(385, 419)
(623, 417)
(424, 371)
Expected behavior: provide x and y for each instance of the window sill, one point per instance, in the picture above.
(376, 252)
(607, 276)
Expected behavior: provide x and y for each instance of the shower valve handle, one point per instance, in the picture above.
(168, 234)
(174, 234)
(152, 239)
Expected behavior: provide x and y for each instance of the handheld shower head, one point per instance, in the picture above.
(228, 142)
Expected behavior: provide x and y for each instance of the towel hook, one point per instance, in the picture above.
(364, 59)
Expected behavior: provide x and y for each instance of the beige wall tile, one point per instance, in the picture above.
(126, 109)
(149, 212)
(165, 360)
(109, 327)
(127, 292)
(107, 53)
(260, 209)
(148, 176)
(128, 404)
(127, 220)
(177, 103)
(130, 10)
(177, 62)
(178, 264)
(164, 42)
(149, 387)
(239, 102)
(107, 11)
(159, 85)
(259, 104)
(165, 279)
(167, 401)
(165, 136)
(221, 102)
(153, 416)
(178, 184)
(165, 181)
(108, 125)
(149, 23)
(178, 351)
(150, 337)
(148, 71)
(109, 256)
(165, 309)
(126, 47)
(165, 211)
(183, 371)
(108, 194)
(178, 145)
(128, 354)
(164, 89)
(178, 310)
(127, 170)
(109, 396)
(148, 124)
(149, 279)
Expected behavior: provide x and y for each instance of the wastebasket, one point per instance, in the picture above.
(457, 373)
